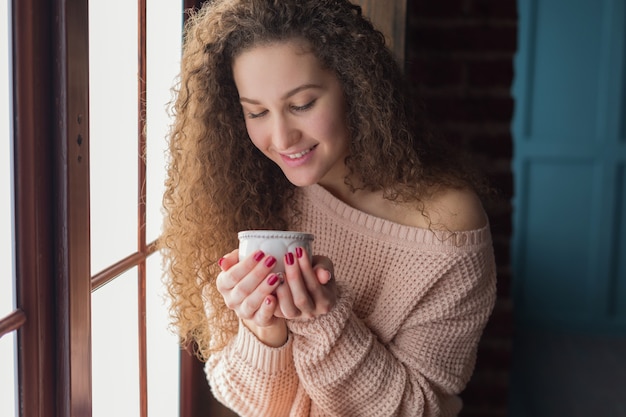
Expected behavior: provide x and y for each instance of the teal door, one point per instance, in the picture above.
(569, 244)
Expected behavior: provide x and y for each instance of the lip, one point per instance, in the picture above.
(296, 162)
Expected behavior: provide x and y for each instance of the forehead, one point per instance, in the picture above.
(271, 69)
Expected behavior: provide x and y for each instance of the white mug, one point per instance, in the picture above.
(274, 242)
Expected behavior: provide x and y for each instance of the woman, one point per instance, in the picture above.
(293, 115)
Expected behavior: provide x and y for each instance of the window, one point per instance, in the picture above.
(62, 143)
(7, 303)
(127, 98)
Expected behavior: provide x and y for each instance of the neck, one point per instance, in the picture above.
(343, 192)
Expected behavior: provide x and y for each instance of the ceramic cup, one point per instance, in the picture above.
(274, 242)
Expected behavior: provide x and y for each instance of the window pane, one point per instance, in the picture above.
(113, 128)
(163, 347)
(8, 398)
(7, 343)
(115, 348)
(6, 174)
(164, 34)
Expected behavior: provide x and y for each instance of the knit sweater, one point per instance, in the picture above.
(401, 339)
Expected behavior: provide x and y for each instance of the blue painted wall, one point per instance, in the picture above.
(569, 242)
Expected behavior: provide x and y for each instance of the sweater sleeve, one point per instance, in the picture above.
(254, 379)
(347, 371)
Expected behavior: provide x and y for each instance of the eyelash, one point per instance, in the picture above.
(256, 115)
(295, 108)
(305, 107)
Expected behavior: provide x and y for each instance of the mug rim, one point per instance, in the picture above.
(272, 234)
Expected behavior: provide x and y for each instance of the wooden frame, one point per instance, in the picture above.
(389, 17)
(52, 239)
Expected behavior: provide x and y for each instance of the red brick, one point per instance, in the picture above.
(500, 323)
(503, 182)
(470, 109)
(502, 253)
(445, 39)
(490, 73)
(504, 284)
(493, 145)
(438, 9)
(493, 357)
(484, 411)
(436, 73)
(493, 9)
(501, 226)
(487, 390)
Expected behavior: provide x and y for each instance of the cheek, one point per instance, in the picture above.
(256, 135)
(331, 125)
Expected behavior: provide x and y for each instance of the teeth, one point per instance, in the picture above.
(299, 154)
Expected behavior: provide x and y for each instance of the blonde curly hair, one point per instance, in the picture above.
(218, 183)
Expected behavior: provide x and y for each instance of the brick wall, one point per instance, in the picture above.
(459, 53)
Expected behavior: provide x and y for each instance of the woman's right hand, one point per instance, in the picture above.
(247, 287)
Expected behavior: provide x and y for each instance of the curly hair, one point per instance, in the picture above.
(219, 183)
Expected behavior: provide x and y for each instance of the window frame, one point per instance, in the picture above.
(33, 120)
(50, 75)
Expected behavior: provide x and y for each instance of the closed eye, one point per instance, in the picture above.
(256, 115)
(303, 108)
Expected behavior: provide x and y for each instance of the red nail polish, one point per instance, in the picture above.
(220, 262)
(273, 279)
(299, 252)
(289, 258)
(269, 262)
(259, 255)
(268, 301)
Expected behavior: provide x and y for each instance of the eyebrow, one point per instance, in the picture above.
(289, 93)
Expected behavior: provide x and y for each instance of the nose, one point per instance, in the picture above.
(284, 133)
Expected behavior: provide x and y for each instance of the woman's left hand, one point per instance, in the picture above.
(309, 290)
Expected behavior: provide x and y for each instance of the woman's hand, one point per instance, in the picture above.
(247, 288)
(309, 291)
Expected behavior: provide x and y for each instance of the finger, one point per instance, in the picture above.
(323, 262)
(265, 314)
(323, 275)
(253, 305)
(243, 268)
(261, 267)
(229, 260)
(226, 282)
(286, 306)
(297, 286)
(319, 282)
(310, 279)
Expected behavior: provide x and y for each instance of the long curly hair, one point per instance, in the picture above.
(219, 183)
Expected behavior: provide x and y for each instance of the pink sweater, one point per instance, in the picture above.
(401, 340)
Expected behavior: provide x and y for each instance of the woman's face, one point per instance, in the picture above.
(294, 111)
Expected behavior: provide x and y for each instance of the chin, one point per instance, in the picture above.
(302, 181)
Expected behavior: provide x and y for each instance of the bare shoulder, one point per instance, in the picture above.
(449, 209)
(455, 210)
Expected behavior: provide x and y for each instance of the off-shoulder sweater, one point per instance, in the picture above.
(401, 340)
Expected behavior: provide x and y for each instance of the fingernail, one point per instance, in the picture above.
(268, 301)
(269, 262)
(289, 258)
(273, 279)
(259, 255)
(220, 262)
(299, 252)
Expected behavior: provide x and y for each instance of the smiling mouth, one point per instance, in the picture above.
(300, 154)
